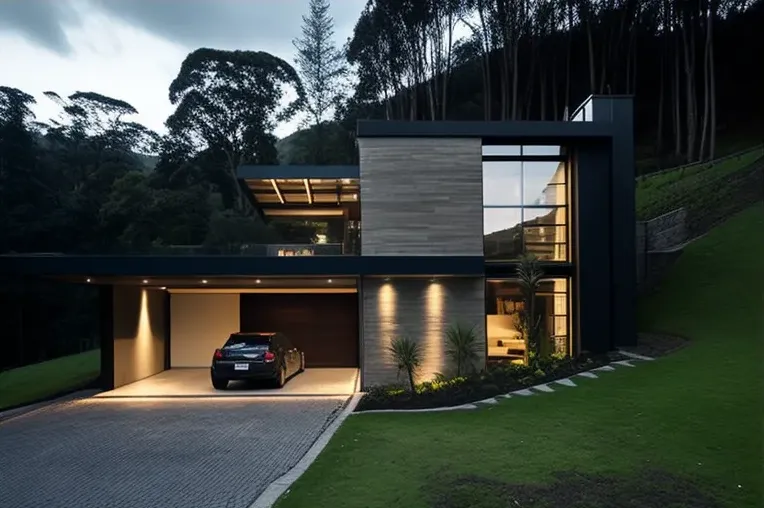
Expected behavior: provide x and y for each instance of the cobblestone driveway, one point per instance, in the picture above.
(136, 454)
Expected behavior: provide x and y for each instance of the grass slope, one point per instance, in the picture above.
(690, 186)
(38, 381)
(683, 431)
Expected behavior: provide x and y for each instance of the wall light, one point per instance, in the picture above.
(329, 281)
(257, 281)
(204, 281)
(88, 280)
(145, 281)
(163, 288)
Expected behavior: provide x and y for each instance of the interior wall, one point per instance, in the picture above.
(200, 323)
(422, 310)
(140, 332)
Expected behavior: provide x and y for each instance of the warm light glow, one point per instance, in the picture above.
(434, 339)
(307, 191)
(163, 288)
(355, 196)
(257, 281)
(144, 341)
(329, 281)
(204, 281)
(88, 280)
(145, 281)
(386, 309)
(278, 191)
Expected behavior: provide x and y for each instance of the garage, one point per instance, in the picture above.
(164, 343)
(324, 326)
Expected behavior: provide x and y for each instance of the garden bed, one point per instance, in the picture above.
(496, 380)
(656, 344)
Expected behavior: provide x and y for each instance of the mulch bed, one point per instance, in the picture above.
(656, 345)
(493, 382)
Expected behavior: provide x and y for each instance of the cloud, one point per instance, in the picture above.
(269, 25)
(42, 22)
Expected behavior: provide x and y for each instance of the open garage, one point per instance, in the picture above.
(165, 335)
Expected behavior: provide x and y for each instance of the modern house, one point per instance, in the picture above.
(426, 231)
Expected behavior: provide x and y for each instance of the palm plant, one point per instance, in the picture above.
(529, 276)
(407, 355)
(461, 346)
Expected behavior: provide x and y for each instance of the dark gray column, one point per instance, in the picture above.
(106, 332)
(592, 298)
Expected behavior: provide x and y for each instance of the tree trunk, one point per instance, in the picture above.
(590, 45)
(678, 144)
(706, 92)
(712, 81)
(689, 69)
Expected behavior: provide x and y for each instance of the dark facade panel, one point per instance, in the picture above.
(593, 281)
(520, 132)
(324, 325)
(244, 266)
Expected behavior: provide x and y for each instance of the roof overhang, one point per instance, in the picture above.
(208, 267)
(301, 191)
(516, 132)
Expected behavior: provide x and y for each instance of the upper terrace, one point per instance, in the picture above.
(316, 208)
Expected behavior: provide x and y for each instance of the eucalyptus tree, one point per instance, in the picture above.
(230, 102)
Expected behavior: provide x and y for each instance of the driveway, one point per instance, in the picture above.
(214, 452)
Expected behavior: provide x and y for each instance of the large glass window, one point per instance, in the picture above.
(504, 303)
(525, 202)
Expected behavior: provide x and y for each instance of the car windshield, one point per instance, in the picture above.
(236, 341)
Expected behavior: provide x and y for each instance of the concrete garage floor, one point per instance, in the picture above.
(196, 383)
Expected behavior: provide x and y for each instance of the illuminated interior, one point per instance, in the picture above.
(312, 216)
(504, 303)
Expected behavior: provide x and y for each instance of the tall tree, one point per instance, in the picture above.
(320, 63)
(229, 102)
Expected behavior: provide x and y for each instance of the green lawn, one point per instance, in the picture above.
(689, 186)
(34, 382)
(683, 431)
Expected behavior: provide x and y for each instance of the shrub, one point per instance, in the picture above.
(407, 355)
(461, 347)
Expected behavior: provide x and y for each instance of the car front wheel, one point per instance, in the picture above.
(219, 384)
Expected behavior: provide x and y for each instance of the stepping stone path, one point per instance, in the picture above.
(525, 392)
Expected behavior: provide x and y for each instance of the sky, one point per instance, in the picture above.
(133, 49)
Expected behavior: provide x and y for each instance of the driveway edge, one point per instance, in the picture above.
(8, 414)
(274, 491)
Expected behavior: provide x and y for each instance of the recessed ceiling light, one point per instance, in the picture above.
(329, 281)
(257, 281)
(204, 281)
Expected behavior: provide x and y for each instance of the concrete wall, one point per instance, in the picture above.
(140, 332)
(421, 196)
(201, 322)
(422, 310)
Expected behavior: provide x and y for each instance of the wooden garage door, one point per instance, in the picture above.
(324, 325)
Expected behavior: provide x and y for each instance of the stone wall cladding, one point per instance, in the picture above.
(666, 231)
(421, 196)
(409, 307)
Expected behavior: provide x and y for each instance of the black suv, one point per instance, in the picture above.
(256, 356)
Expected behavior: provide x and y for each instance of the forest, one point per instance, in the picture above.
(92, 180)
